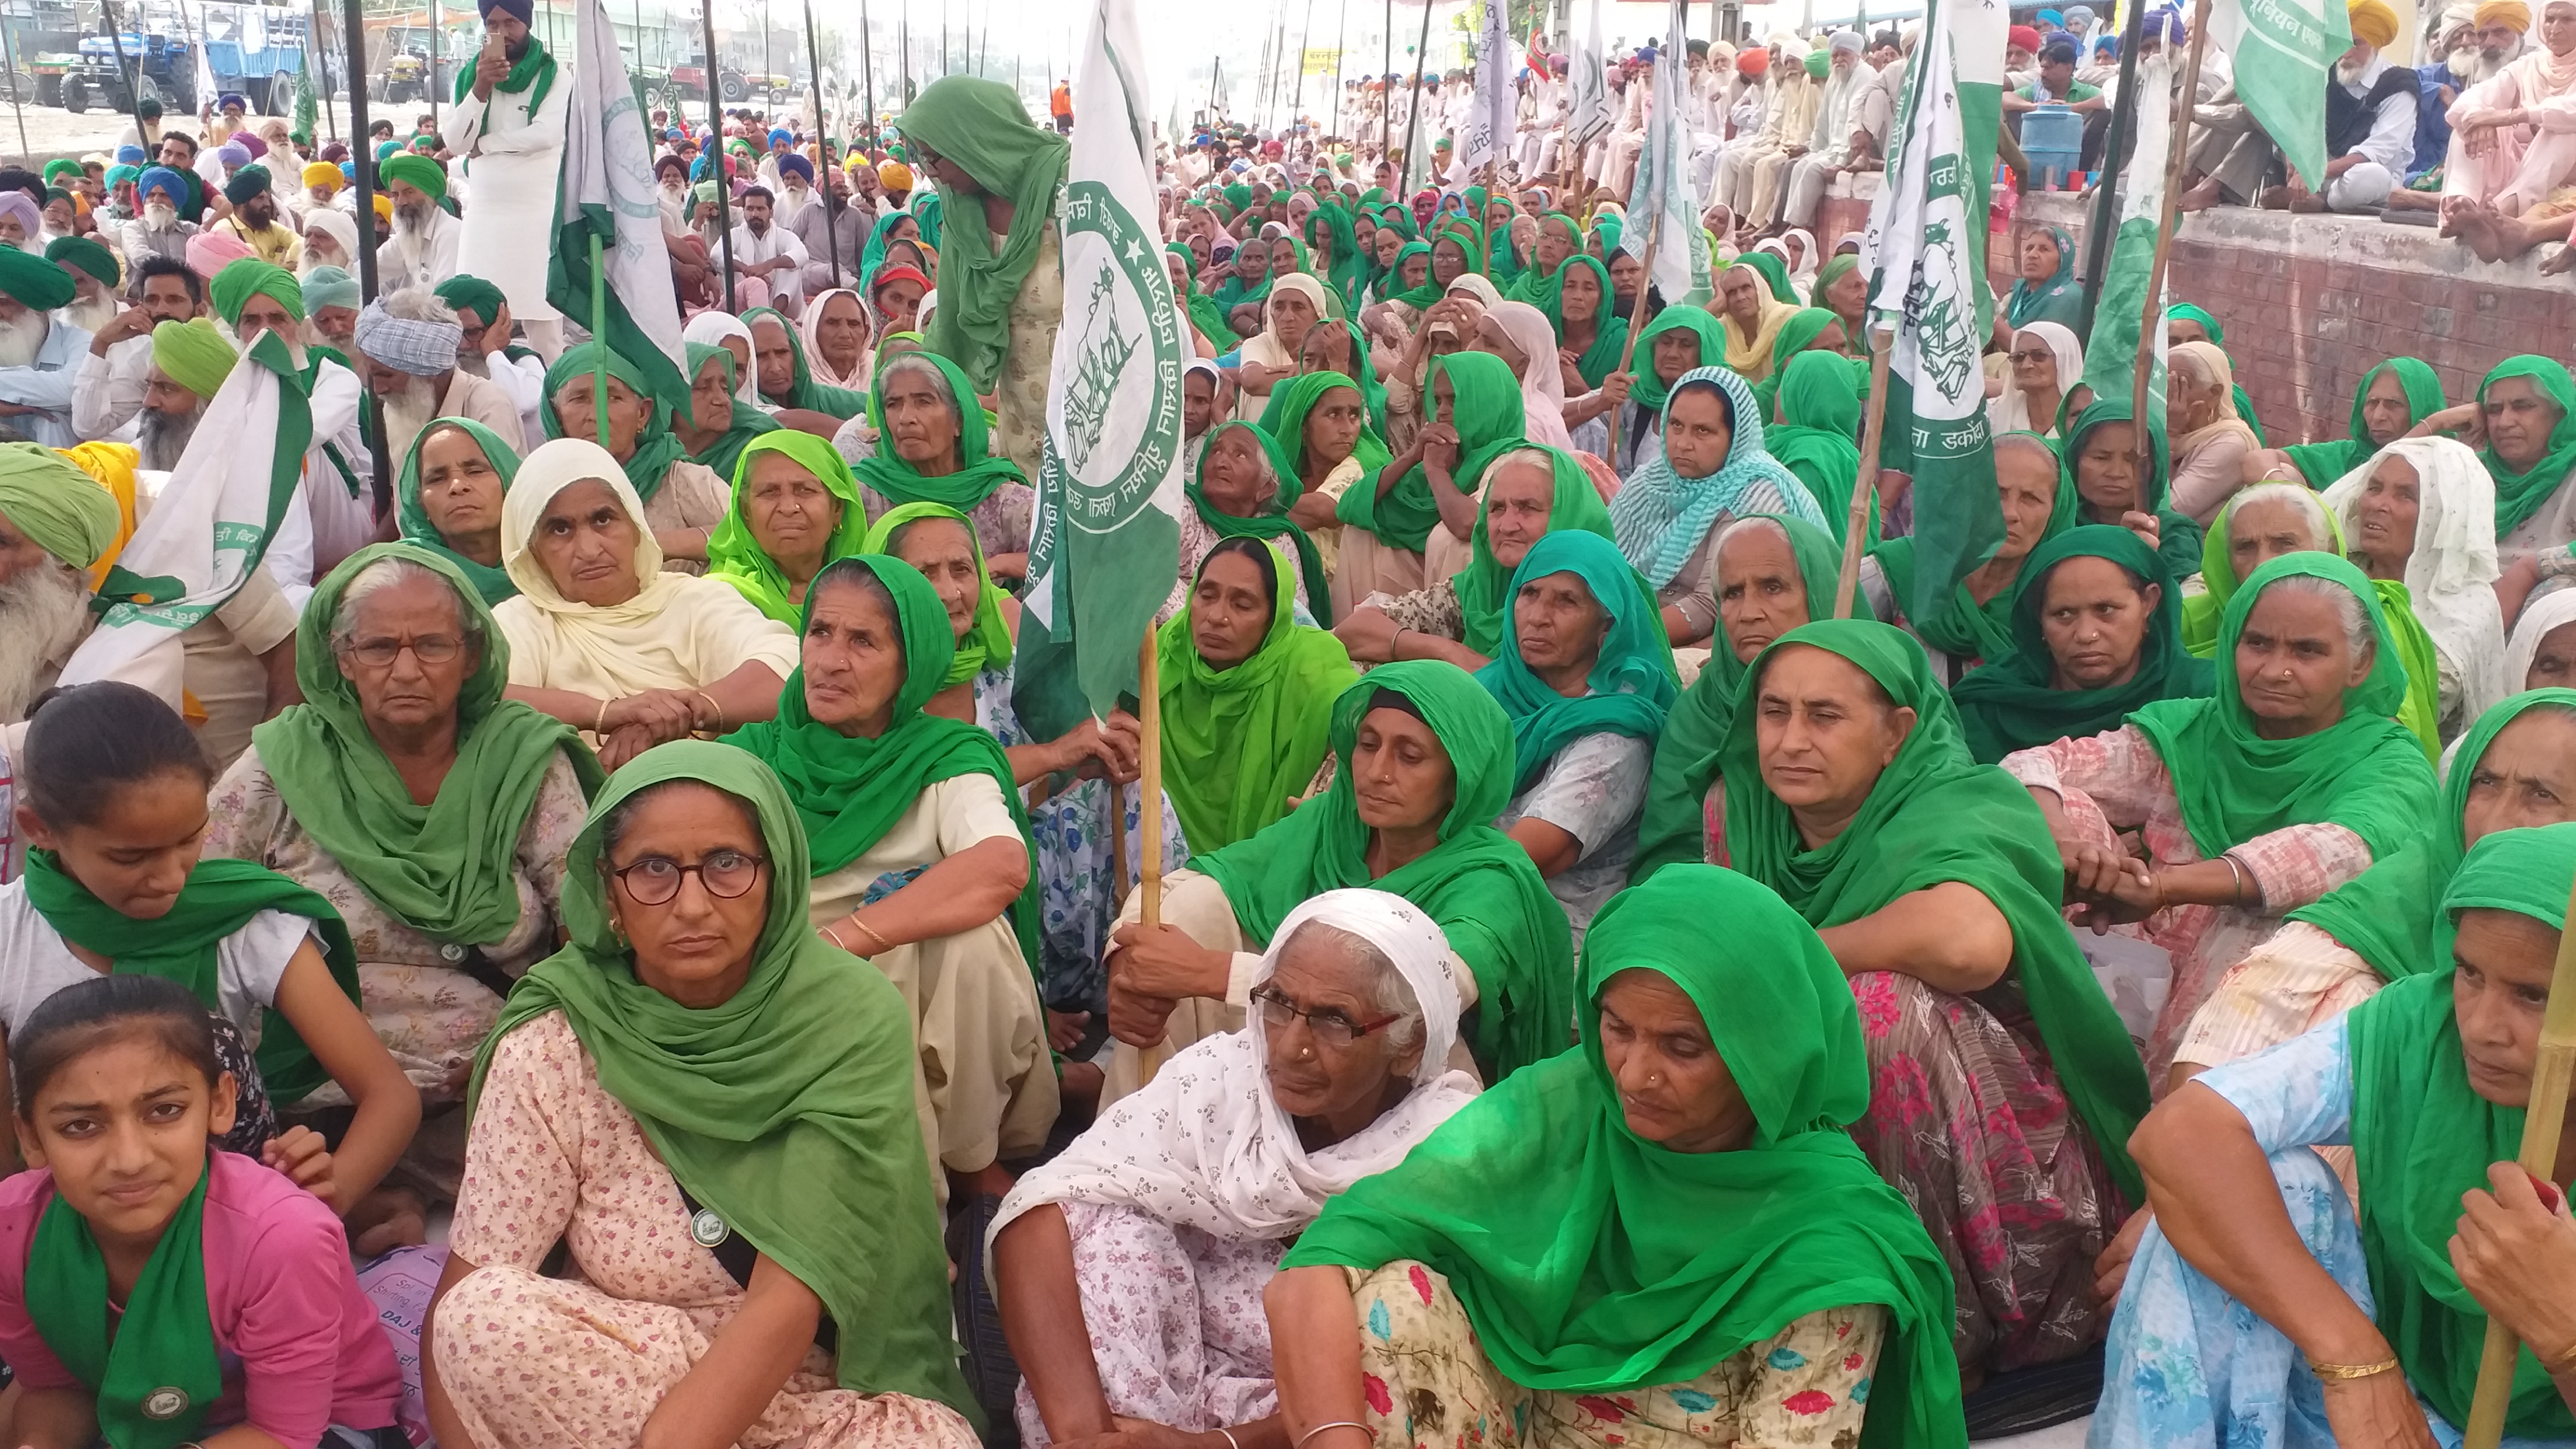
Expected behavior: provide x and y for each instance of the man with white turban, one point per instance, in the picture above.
(1830, 145)
(330, 240)
(2513, 140)
(1788, 111)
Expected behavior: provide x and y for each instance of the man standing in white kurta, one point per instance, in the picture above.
(508, 125)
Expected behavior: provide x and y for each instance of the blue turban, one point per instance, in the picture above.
(2053, 19)
(792, 162)
(231, 98)
(523, 10)
(163, 178)
(780, 133)
(131, 156)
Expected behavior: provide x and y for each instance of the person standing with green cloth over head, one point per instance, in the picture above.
(1475, 411)
(2003, 1085)
(795, 510)
(1001, 265)
(1660, 1237)
(697, 1054)
(507, 127)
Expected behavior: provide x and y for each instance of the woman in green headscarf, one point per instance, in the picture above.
(1681, 339)
(2048, 289)
(1475, 412)
(2187, 323)
(976, 139)
(2429, 1082)
(1435, 751)
(786, 379)
(890, 226)
(934, 446)
(683, 500)
(2529, 406)
(1328, 230)
(2257, 525)
(1245, 487)
(1975, 622)
(795, 509)
(1807, 329)
(921, 858)
(1933, 881)
(1337, 345)
(2392, 398)
(698, 1047)
(1816, 424)
(2104, 471)
(2511, 770)
(448, 500)
(1558, 240)
(1249, 284)
(729, 423)
(2096, 635)
(2289, 780)
(1327, 444)
(1205, 315)
(1584, 322)
(1586, 676)
(1663, 1233)
(1247, 695)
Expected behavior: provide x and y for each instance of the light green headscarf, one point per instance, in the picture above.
(2202, 611)
(779, 1109)
(734, 554)
(2323, 463)
(1238, 742)
(1817, 416)
(656, 449)
(2364, 772)
(1484, 586)
(490, 582)
(1631, 683)
(1478, 883)
(987, 644)
(2519, 495)
(980, 470)
(1936, 816)
(1284, 419)
(982, 127)
(2422, 1137)
(445, 868)
(1613, 1263)
(1609, 329)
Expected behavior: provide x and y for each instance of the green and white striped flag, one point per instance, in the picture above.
(607, 191)
(2284, 51)
(1662, 187)
(1107, 543)
(2111, 357)
(1926, 241)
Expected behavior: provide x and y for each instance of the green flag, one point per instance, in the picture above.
(1927, 240)
(2111, 356)
(2285, 52)
(606, 192)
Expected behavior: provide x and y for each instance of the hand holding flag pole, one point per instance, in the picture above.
(2151, 324)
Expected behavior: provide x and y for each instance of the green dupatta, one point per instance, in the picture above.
(1798, 332)
(1651, 391)
(735, 555)
(1937, 816)
(802, 390)
(2323, 463)
(1537, 287)
(1612, 1263)
(2422, 1137)
(221, 897)
(163, 1341)
(490, 582)
(2519, 495)
(2364, 772)
(1818, 414)
(1631, 683)
(720, 456)
(1674, 823)
(1272, 523)
(656, 449)
(1478, 883)
(988, 643)
(444, 869)
(2202, 611)
(1284, 419)
(1966, 629)
(1484, 586)
(980, 470)
(1347, 271)
(982, 128)
(2010, 704)
(2387, 915)
(778, 1109)
(532, 73)
(2178, 538)
(1205, 314)
(1238, 742)
(1609, 329)
(1487, 411)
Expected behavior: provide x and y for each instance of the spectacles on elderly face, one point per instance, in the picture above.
(654, 880)
(1330, 1027)
(427, 648)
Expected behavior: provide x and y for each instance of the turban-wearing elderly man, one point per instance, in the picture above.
(508, 125)
(252, 296)
(55, 524)
(323, 184)
(330, 240)
(1788, 112)
(331, 302)
(2513, 142)
(39, 357)
(2370, 113)
(1829, 148)
(94, 275)
(407, 349)
(110, 388)
(795, 187)
(255, 218)
(161, 230)
(488, 351)
(426, 239)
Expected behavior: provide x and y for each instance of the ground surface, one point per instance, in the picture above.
(50, 131)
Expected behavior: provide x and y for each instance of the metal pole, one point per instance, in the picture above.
(715, 138)
(9, 50)
(429, 87)
(1413, 114)
(354, 40)
(1385, 97)
(831, 223)
(2105, 223)
(1341, 44)
(867, 75)
(1305, 38)
(322, 57)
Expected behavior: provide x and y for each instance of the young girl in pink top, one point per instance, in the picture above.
(155, 1292)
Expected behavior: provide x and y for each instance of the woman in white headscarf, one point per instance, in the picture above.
(1269, 357)
(725, 330)
(1129, 1269)
(2535, 660)
(819, 312)
(2044, 368)
(2422, 512)
(1520, 334)
(1802, 258)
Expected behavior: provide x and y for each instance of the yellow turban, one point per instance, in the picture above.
(317, 173)
(384, 206)
(2513, 15)
(2374, 23)
(894, 175)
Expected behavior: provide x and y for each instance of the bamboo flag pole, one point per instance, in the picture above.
(1882, 347)
(2151, 325)
(1149, 790)
(2551, 1072)
(1636, 312)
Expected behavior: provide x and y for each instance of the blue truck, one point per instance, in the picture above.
(255, 50)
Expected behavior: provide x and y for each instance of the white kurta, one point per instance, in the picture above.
(511, 161)
(426, 257)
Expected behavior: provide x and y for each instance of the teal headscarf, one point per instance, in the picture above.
(649, 466)
(2060, 299)
(491, 581)
(748, 422)
(1609, 329)
(1631, 684)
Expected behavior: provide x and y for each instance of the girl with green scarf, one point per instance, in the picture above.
(469, 470)
(934, 446)
(766, 1089)
(1242, 467)
(1816, 421)
(2104, 473)
(2419, 392)
(2030, 696)
(803, 392)
(981, 128)
(1424, 834)
(149, 1363)
(2429, 1126)
(1247, 695)
(1308, 440)
(109, 776)
(2539, 468)
(1597, 335)
(1631, 1230)
(881, 236)
(1328, 229)
(1586, 676)
(2280, 786)
(731, 423)
(920, 848)
(795, 509)
(1476, 394)
(1939, 886)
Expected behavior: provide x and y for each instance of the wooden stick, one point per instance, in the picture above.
(1118, 839)
(1149, 791)
(2153, 321)
(1882, 347)
(1636, 315)
(2551, 1073)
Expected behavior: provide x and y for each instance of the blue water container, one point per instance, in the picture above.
(2052, 137)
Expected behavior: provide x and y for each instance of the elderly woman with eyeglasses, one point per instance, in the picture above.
(1129, 1269)
(431, 813)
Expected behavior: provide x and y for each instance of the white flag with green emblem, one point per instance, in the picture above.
(607, 192)
(1925, 244)
(1489, 120)
(208, 528)
(1661, 203)
(1107, 541)
(1587, 89)
(2284, 52)
(2111, 358)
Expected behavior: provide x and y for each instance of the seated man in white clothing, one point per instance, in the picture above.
(39, 357)
(110, 389)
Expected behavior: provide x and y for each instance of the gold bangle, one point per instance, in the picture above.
(599, 726)
(2333, 1372)
(873, 934)
(711, 704)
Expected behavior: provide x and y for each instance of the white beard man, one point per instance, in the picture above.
(407, 354)
(426, 239)
(39, 358)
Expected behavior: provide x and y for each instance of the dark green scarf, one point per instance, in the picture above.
(1966, 629)
(802, 390)
(2322, 463)
(164, 1342)
(982, 127)
(1487, 411)
(980, 470)
(491, 582)
(1609, 329)
(1273, 522)
(2178, 538)
(747, 423)
(656, 449)
(533, 73)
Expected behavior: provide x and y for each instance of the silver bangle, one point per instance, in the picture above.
(1320, 1428)
(1229, 1437)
